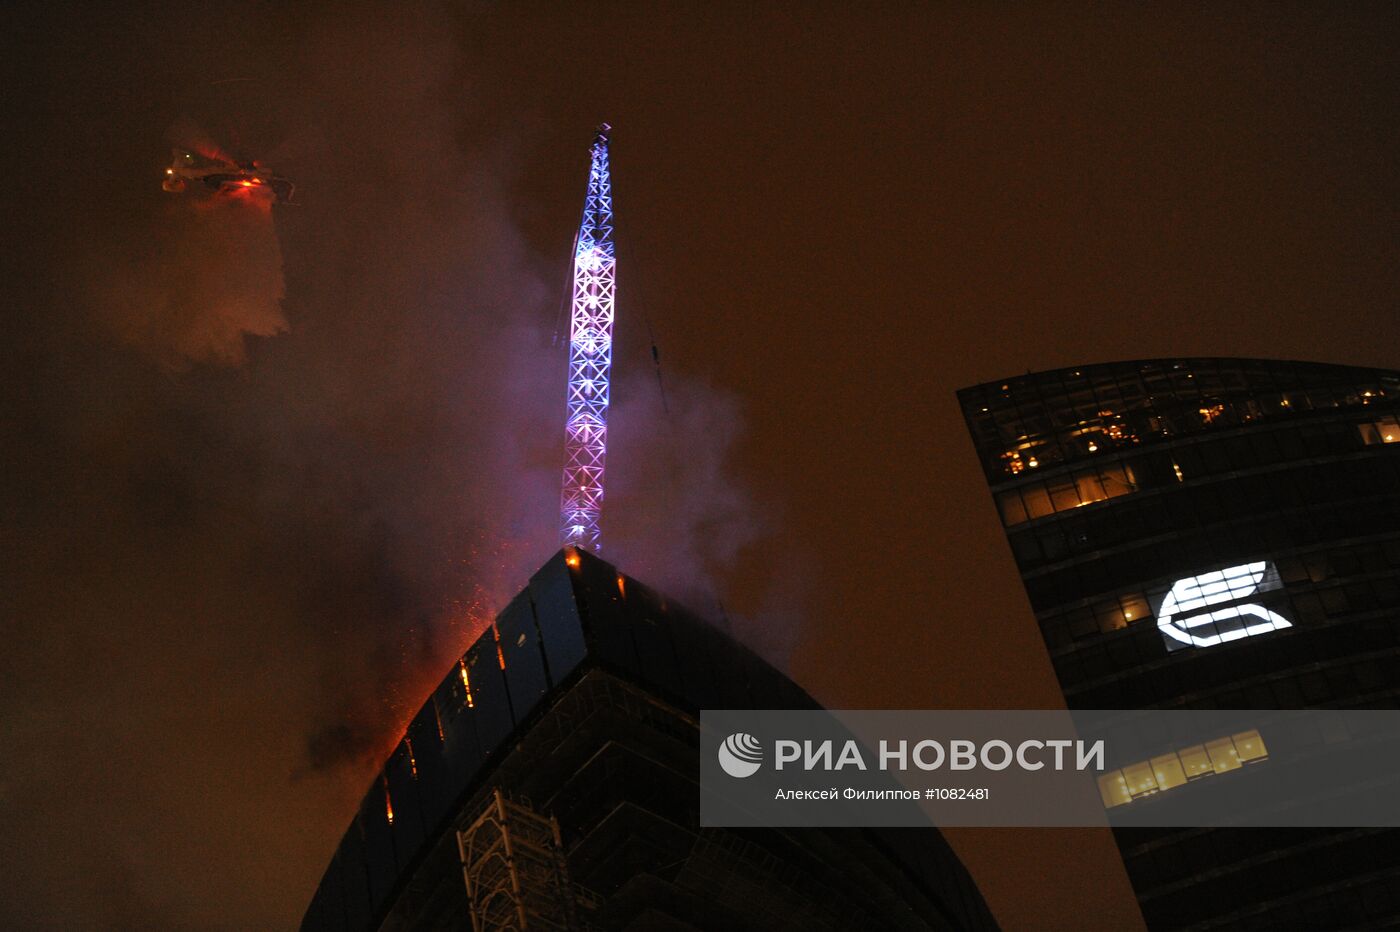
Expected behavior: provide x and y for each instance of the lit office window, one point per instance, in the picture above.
(1084, 487)
(1168, 771)
(1140, 779)
(1135, 607)
(1113, 789)
(1177, 768)
(1386, 430)
(1249, 745)
(1223, 755)
(1195, 761)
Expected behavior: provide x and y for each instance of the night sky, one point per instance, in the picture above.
(266, 473)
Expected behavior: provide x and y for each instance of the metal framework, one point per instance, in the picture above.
(514, 868)
(590, 358)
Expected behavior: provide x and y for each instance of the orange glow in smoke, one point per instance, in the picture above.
(497, 569)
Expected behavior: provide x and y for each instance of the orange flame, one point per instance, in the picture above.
(500, 655)
(466, 684)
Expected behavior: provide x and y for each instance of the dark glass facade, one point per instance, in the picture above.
(583, 699)
(1214, 533)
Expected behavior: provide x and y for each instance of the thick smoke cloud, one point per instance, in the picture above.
(208, 275)
(269, 472)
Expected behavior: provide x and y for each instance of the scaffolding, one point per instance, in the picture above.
(513, 863)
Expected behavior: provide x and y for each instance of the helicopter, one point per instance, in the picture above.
(224, 175)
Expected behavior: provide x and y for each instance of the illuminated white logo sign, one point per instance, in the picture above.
(740, 755)
(1183, 623)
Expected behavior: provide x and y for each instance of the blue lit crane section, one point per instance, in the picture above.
(590, 358)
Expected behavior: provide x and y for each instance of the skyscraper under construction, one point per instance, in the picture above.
(551, 782)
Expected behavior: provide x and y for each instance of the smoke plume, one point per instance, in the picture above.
(675, 514)
(207, 275)
(270, 470)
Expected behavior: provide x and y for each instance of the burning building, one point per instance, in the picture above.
(551, 782)
(1213, 534)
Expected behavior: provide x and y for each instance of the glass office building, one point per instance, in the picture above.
(578, 706)
(1213, 533)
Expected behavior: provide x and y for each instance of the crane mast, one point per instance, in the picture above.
(590, 358)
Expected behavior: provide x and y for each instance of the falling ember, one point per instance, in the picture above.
(621, 586)
(494, 577)
(412, 761)
(437, 719)
(388, 803)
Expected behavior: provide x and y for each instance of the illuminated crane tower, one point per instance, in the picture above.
(590, 358)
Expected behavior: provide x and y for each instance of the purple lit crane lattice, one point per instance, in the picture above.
(590, 358)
